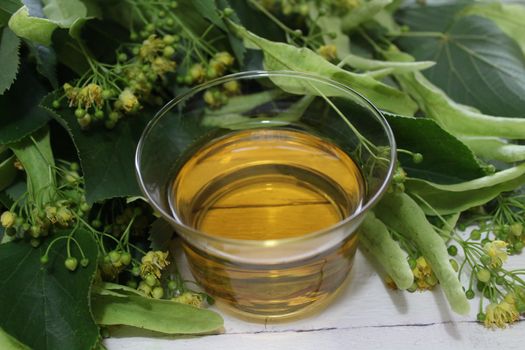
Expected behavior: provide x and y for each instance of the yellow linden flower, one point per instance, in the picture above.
(94, 93)
(63, 216)
(153, 262)
(501, 314)
(51, 213)
(128, 101)
(162, 65)
(151, 47)
(423, 275)
(497, 251)
(190, 299)
(88, 95)
(329, 52)
(225, 58)
(197, 72)
(71, 94)
(70, 91)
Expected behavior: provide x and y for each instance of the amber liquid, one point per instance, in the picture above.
(268, 184)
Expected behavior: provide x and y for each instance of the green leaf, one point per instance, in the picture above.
(455, 118)
(160, 234)
(449, 199)
(385, 19)
(191, 20)
(476, 63)
(364, 12)
(508, 17)
(68, 52)
(47, 307)
(21, 114)
(64, 12)
(436, 15)
(10, 58)
(76, 27)
(495, 148)
(7, 8)
(94, 8)
(46, 61)
(34, 29)
(251, 19)
(234, 118)
(7, 172)
(154, 314)
(425, 136)
(15, 192)
(9, 343)
(209, 10)
(280, 56)
(60, 14)
(106, 156)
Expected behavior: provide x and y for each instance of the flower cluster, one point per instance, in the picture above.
(109, 92)
(501, 314)
(151, 267)
(160, 47)
(217, 66)
(113, 263)
(502, 288)
(36, 218)
(505, 221)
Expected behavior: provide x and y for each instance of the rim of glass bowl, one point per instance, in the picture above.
(256, 74)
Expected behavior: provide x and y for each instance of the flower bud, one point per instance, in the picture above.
(8, 219)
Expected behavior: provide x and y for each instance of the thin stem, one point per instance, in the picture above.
(273, 18)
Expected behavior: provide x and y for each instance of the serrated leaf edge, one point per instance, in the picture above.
(17, 52)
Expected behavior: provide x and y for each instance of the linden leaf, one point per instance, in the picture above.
(47, 307)
(281, 56)
(64, 12)
(21, 114)
(508, 17)
(154, 314)
(7, 8)
(10, 58)
(477, 64)
(425, 136)
(160, 234)
(32, 28)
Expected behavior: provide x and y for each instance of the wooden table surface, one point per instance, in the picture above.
(366, 315)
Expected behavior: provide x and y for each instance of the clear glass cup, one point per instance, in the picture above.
(283, 275)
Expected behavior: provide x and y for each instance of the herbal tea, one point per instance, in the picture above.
(267, 184)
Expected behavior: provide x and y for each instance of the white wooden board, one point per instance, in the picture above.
(366, 315)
